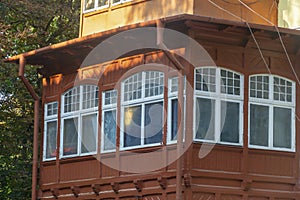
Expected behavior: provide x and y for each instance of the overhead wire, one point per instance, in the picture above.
(257, 44)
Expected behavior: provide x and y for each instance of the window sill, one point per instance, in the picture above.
(218, 143)
(141, 149)
(77, 158)
(259, 149)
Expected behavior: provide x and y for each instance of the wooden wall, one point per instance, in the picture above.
(227, 172)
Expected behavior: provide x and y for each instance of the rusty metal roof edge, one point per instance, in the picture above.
(150, 23)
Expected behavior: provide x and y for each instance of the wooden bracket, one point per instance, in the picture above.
(187, 180)
(115, 186)
(55, 192)
(75, 190)
(138, 185)
(162, 182)
(246, 185)
(96, 189)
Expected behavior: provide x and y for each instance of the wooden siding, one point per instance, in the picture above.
(227, 172)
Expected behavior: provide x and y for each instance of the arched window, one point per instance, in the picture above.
(271, 112)
(142, 109)
(79, 121)
(218, 105)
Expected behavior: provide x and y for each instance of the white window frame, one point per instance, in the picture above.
(95, 7)
(271, 104)
(218, 97)
(120, 2)
(172, 95)
(112, 106)
(140, 102)
(47, 119)
(78, 114)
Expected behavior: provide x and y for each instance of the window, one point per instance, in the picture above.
(173, 110)
(91, 5)
(79, 121)
(119, 1)
(219, 105)
(50, 131)
(109, 125)
(142, 109)
(271, 112)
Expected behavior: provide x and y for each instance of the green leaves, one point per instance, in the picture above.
(25, 25)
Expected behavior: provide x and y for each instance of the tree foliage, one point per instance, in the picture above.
(25, 25)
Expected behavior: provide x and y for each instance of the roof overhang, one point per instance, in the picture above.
(66, 57)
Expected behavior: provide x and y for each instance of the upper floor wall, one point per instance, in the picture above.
(288, 14)
(100, 15)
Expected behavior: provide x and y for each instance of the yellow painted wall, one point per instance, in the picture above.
(289, 14)
(137, 11)
(132, 12)
(234, 10)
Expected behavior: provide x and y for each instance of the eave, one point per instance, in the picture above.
(66, 57)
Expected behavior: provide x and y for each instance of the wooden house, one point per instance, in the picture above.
(169, 99)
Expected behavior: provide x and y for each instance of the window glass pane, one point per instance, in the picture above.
(72, 100)
(259, 87)
(89, 4)
(154, 83)
(153, 123)
(205, 119)
(109, 130)
(51, 134)
(230, 82)
(282, 90)
(230, 120)
(259, 123)
(282, 127)
(110, 97)
(116, 1)
(89, 133)
(133, 87)
(90, 96)
(103, 3)
(206, 79)
(174, 119)
(52, 108)
(132, 126)
(70, 137)
(174, 85)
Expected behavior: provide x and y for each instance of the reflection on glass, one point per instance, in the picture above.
(51, 139)
(102, 3)
(259, 123)
(132, 126)
(230, 122)
(174, 119)
(282, 127)
(89, 132)
(70, 138)
(205, 119)
(153, 123)
(89, 4)
(109, 130)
